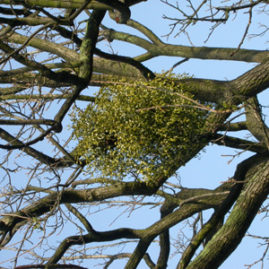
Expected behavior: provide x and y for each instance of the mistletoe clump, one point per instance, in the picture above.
(138, 128)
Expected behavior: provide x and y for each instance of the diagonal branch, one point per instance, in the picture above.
(238, 143)
(255, 191)
(29, 150)
(255, 122)
(86, 59)
(164, 49)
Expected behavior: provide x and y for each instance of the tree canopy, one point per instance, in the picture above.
(86, 129)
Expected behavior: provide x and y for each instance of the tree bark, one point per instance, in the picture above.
(246, 208)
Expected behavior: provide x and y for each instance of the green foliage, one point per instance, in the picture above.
(138, 128)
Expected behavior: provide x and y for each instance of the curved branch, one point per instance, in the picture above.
(164, 242)
(147, 73)
(31, 151)
(61, 76)
(93, 236)
(44, 205)
(21, 145)
(207, 53)
(143, 29)
(45, 45)
(186, 210)
(120, 13)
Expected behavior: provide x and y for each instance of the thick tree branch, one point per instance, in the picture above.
(44, 72)
(63, 76)
(14, 221)
(54, 266)
(218, 216)
(255, 173)
(94, 4)
(255, 122)
(164, 242)
(186, 210)
(139, 253)
(44, 97)
(233, 127)
(143, 29)
(164, 49)
(92, 237)
(44, 45)
(31, 21)
(168, 221)
(147, 73)
(238, 143)
(252, 82)
(59, 4)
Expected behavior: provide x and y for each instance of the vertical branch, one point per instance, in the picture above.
(255, 122)
(86, 60)
(164, 241)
